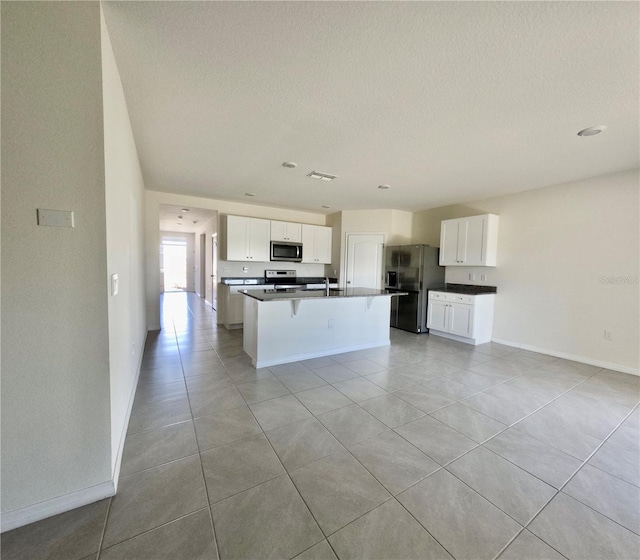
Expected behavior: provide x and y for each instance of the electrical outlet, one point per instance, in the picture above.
(608, 334)
(245, 269)
(330, 323)
(472, 276)
(483, 277)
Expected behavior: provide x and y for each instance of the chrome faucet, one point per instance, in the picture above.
(326, 285)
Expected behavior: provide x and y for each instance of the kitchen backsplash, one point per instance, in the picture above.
(237, 269)
(476, 275)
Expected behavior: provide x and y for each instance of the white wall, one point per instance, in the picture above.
(567, 267)
(56, 427)
(124, 194)
(154, 199)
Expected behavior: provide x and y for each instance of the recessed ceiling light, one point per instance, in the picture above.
(179, 217)
(322, 176)
(384, 187)
(289, 164)
(195, 221)
(249, 194)
(325, 206)
(592, 130)
(186, 210)
(178, 223)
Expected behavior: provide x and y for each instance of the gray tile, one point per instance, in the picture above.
(351, 424)
(338, 490)
(208, 381)
(302, 442)
(391, 410)
(320, 551)
(386, 532)
(513, 490)
(211, 401)
(608, 495)
(150, 498)
(475, 380)
(315, 363)
(394, 462)
(541, 460)
(437, 440)
(450, 388)
(157, 414)
(269, 521)
(198, 357)
(390, 380)
(151, 448)
(423, 398)
(238, 466)
(248, 374)
(225, 427)
(462, 521)
(502, 367)
(550, 428)
(155, 362)
(542, 385)
(301, 381)
(70, 535)
(165, 374)
(286, 369)
(469, 422)
(335, 373)
(359, 389)
(151, 392)
(279, 412)
(323, 399)
(204, 368)
(346, 357)
(526, 546)
(189, 537)
(440, 367)
(364, 366)
(506, 404)
(619, 460)
(262, 390)
(577, 531)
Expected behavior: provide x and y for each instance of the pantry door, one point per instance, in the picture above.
(364, 260)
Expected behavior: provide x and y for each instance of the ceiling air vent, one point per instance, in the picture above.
(321, 176)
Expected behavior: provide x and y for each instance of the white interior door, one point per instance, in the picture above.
(364, 260)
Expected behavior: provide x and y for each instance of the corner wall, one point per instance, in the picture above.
(56, 436)
(567, 267)
(124, 193)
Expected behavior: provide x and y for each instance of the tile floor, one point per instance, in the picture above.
(424, 449)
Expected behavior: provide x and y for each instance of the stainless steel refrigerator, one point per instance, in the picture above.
(413, 269)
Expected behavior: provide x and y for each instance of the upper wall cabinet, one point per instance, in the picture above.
(286, 231)
(469, 241)
(316, 244)
(247, 239)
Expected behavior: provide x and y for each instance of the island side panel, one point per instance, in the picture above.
(250, 332)
(288, 331)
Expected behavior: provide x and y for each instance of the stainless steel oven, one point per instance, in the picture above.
(286, 251)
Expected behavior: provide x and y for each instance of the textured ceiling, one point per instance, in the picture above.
(183, 218)
(447, 102)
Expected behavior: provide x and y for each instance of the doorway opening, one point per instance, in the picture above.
(174, 265)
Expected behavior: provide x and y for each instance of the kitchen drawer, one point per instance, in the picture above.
(457, 298)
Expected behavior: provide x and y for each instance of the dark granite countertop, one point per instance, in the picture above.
(293, 294)
(466, 289)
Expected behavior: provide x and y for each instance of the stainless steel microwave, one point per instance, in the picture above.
(286, 251)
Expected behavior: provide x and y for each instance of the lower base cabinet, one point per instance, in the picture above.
(461, 317)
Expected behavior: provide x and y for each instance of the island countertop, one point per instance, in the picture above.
(319, 293)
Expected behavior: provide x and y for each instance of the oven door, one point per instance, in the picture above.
(285, 251)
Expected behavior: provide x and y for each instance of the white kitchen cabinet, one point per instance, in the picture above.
(286, 231)
(231, 305)
(461, 317)
(316, 244)
(469, 241)
(247, 239)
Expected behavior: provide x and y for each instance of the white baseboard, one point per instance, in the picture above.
(36, 512)
(321, 354)
(572, 357)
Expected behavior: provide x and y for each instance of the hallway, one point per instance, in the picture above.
(425, 449)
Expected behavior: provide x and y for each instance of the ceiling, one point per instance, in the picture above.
(183, 218)
(446, 102)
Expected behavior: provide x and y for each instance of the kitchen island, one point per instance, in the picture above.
(282, 326)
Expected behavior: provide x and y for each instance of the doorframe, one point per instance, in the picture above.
(345, 260)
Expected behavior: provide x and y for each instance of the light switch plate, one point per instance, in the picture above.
(115, 284)
(55, 218)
